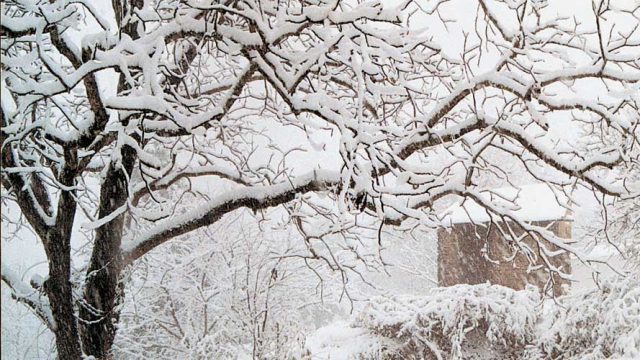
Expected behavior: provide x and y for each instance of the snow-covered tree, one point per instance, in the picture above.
(248, 295)
(136, 123)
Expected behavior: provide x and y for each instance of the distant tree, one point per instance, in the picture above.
(98, 130)
(248, 294)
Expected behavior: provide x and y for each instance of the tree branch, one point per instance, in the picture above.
(35, 300)
(258, 197)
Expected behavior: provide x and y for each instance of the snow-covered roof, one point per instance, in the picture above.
(533, 202)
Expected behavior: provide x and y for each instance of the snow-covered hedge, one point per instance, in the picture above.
(601, 324)
(488, 321)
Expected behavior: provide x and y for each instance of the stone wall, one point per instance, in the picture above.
(461, 259)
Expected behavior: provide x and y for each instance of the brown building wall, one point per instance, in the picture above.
(461, 259)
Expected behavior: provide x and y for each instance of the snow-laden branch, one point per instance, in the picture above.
(571, 168)
(257, 197)
(34, 299)
(188, 172)
(31, 194)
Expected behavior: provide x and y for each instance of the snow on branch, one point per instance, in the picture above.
(33, 298)
(579, 170)
(257, 197)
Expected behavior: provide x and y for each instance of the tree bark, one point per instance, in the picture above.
(59, 291)
(58, 248)
(102, 292)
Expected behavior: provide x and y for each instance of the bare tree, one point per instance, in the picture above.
(218, 90)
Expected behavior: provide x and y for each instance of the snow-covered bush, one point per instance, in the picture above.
(604, 323)
(342, 340)
(458, 322)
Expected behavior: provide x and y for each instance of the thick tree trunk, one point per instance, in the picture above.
(58, 247)
(58, 289)
(102, 292)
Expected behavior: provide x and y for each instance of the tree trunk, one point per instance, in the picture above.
(58, 289)
(58, 247)
(102, 292)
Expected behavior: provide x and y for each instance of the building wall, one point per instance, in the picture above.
(470, 254)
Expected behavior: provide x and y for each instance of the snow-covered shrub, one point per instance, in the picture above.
(343, 340)
(457, 322)
(603, 323)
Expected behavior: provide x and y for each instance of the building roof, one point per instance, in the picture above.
(533, 202)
